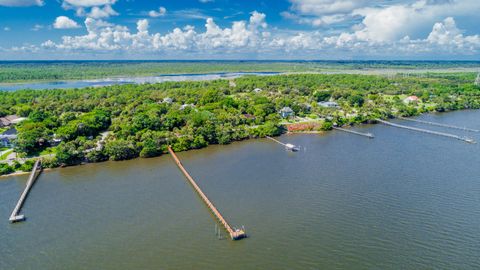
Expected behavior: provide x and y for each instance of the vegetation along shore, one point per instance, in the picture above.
(71, 126)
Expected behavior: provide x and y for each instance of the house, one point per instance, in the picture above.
(286, 112)
(167, 100)
(328, 104)
(10, 120)
(257, 90)
(8, 137)
(411, 99)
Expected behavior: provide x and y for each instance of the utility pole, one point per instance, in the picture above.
(477, 81)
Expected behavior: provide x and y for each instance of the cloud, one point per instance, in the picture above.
(105, 12)
(102, 35)
(6, 28)
(206, 1)
(98, 8)
(63, 22)
(21, 3)
(37, 27)
(253, 36)
(161, 12)
(89, 3)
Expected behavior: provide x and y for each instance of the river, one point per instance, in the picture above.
(129, 80)
(403, 200)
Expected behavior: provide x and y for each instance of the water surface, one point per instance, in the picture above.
(129, 80)
(403, 200)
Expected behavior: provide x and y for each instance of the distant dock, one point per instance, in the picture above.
(368, 135)
(15, 216)
(288, 146)
(235, 234)
(438, 124)
(468, 140)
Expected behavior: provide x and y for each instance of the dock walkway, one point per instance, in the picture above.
(368, 135)
(235, 234)
(438, 124)
(468, 140)
(15, 217)
(288, 146)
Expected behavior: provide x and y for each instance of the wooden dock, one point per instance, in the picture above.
(468, 140)
(288, 146)
(438, 124)
(368, 135)
(235, 234)
(15, 217)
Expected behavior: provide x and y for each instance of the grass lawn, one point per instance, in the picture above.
(5, 155)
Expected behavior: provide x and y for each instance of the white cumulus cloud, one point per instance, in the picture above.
(89, 3)
(21, 3)
(63, 22)
(99, 12)
(154, 13)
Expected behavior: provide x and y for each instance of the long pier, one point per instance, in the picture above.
(235, 234)
(468, 140)
(15, 217)
(438, 124)
(288, 146)
(368, 135)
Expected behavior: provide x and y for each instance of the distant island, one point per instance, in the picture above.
(71, 126)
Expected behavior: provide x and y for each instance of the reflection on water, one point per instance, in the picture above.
(130, 80)
(403, 200)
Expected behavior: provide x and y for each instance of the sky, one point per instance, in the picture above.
(241, 29)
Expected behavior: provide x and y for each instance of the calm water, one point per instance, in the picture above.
(130, 80)
(400, 201)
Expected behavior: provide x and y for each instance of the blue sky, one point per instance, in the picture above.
(248, 29)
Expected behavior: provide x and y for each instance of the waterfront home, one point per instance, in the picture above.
(8, 137)
(328, 104)
(167, 100)
(411, 99)
(10, 120)
(286, 112)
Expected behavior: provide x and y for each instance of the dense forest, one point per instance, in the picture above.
(142, 120)
(12, 72)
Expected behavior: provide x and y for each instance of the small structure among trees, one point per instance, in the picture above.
(286, 112)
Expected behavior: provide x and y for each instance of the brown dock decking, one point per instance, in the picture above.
(234, 234)
(15, 217)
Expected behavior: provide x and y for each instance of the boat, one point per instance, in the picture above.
(291, 147)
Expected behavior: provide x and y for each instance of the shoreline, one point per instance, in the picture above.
(287, 133)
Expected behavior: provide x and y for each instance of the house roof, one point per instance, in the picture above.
(286, 109)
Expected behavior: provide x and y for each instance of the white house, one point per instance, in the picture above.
(168, 100)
